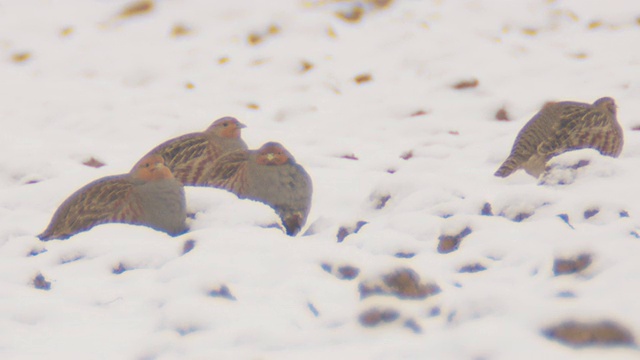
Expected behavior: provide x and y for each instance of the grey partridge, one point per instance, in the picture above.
(561, 127)
(188, 155)
(149, 195)
(269, 175)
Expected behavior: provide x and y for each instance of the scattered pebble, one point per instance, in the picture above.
(501, 115)
(188, 246)
(564, 266)
(404, 283)
(362, 78)
(39, 282)
(472, 268)
(375, 316)
(222, 292)
(344, 231)
(20, 57)
(466, 84)
(580, 334)
(450, 243)
(180, 30)
(93, 162)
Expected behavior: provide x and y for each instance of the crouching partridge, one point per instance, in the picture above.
(188, 155)
(561, 127)
(149, 195)
(269, 175)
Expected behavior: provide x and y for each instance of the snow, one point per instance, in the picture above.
(113, 88)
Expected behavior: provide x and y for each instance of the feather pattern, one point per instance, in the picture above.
(561, 127)
(269, 175)
(102, 201)
(148, 195)
(188, 155)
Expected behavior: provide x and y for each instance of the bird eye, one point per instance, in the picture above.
(225, 124)
(147, 165)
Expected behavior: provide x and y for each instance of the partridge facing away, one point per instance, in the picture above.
(564, 126)
(188, 155)
(149, 195)
(269, 175)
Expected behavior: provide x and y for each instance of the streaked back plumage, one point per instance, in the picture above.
(188, 155)
(561, 127)
(280, 183)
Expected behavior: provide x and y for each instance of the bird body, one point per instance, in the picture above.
(148, 195)
(269, 175)
(188, 155)
(561, 127)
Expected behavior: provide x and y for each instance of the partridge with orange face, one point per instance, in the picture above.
(188, 155)
(149, 195)
(269, 175)
(561, 127)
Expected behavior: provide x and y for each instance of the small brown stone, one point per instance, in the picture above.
(594, 24)
(222, 292)
(380, 4)
(472, 268)
(188, 246)
(413, 325)
(39, 282)
(486, 210)
(119, 269)
(20, 57)
(348, 272)
(466, 84)
(589, 213)
(253, 106)
(180, 30)
(419, 113)
(450, 243)
(571, 265)
(375, 316)
(407, 155)
(502, 115)
(137, 8)
(306, 66)
(273, 29)
(349, 157)
(93, 162)
(403, 283)
(404, 255)
(254, 39)
(362, 78)
(580, 334)
(66, 31)
(353, 15)
(521, 216)
(381, 201)
(344, 231)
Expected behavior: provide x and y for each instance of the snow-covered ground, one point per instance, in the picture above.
(370, 108)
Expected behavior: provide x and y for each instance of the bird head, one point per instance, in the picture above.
(606, 103)
(272, 153)
(151, 168)
(227, 127)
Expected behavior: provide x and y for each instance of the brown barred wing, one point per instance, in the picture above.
(102, 201)
(582, 127)
(186, 156)
(570, 120)
(229, 172)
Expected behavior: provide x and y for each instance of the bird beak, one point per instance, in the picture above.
(241, 125)
(270, 156)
